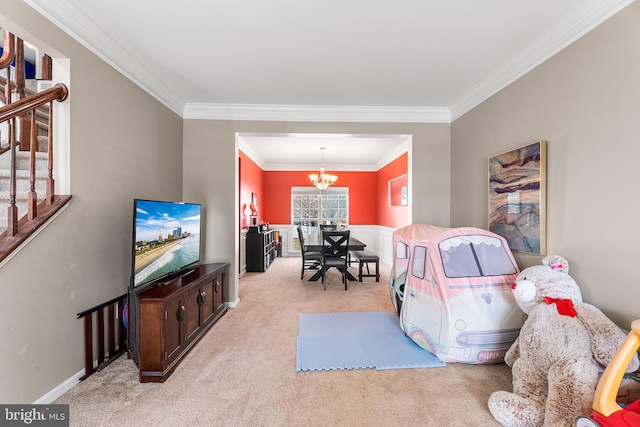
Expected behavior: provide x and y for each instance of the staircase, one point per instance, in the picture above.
(22, 185)
(22, 167)
(27, 188)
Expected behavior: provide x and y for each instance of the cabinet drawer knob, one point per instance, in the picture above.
(217, 286)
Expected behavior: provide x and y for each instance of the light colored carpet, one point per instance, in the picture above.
(243, 371)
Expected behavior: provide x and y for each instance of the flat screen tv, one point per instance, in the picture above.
(166, 240)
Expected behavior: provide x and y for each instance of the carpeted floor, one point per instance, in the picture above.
(243, 372)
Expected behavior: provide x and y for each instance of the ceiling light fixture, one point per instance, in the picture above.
(322, 180)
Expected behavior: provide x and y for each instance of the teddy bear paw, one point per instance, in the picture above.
(511, 410)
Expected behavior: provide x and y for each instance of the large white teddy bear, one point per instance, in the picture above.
(562, 347)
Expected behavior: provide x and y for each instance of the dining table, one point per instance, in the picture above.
(354, 245)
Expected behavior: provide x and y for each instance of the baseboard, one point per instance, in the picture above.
(61, 389)
(74, 380)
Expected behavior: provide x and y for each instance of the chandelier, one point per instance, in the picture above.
(322, 180)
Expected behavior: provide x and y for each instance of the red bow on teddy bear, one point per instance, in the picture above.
(564, 306)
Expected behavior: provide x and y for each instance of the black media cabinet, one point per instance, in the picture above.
(261, 249)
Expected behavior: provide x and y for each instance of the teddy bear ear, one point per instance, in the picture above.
(556, 262)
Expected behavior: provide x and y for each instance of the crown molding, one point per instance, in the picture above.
(316, 113)
(405, 146)
(246, 149)
(313, 168)
(82, 29)
(567, 30)
(564, 32)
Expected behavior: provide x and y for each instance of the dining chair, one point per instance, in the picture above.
(335, 254)
(328, 227)
(311, 259)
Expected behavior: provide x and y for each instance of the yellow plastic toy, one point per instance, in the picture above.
(606, 411)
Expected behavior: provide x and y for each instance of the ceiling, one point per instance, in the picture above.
(304, 151)
(325, 60)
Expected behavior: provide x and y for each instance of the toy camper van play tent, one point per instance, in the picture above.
(452, 290)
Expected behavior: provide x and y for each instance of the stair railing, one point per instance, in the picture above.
(9, 113)
(20, 116)
(8, 51)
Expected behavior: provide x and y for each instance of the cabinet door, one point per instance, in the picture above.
(207, 301)
(192, 320)
(173, 331)
(218, 293)
(255, 252)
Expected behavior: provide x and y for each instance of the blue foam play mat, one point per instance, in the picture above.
(356, 340)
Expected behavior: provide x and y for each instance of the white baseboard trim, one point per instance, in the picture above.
(74, 380)
(61, 389)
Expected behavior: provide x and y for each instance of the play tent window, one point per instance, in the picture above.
(474, 256)
(402, 251)
(401, 262)
(419, 261)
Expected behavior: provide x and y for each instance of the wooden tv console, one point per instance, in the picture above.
(167, 320)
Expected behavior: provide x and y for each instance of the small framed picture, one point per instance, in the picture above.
(398, 191)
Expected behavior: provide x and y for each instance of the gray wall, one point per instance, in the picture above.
(124, 144)
(211, 161)
(585, 101)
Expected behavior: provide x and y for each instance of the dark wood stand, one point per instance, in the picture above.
(261, 249)
(166, 321)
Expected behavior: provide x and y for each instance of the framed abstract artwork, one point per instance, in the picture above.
(517, 197)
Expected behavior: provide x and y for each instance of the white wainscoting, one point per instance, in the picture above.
(243, 252)
(378, 239)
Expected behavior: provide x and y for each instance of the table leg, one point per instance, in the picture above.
(316, 276)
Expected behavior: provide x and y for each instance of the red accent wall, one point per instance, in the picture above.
(368, 202)
(277, 185)
(393, 217)
(251, 181)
